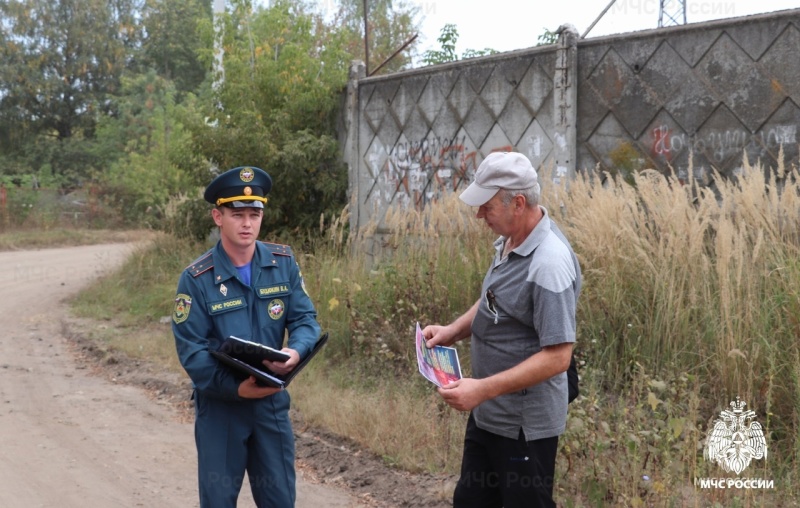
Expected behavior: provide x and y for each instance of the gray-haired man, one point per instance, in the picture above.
(522, 329)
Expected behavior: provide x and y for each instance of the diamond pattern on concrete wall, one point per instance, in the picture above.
(515, 118)
(719, 91)
(479, 121)
(416, 125)
(535, 89)
(375, 158)
(432, 99)
(536, 143)
(665, 142)
(390, 130)
(608, 136)
(623, 92)
(374, 109)
(402, 104)
(737, 81)
(446, 124)
(461, 98)
(709, 92)
(691, 102)
(496, 141)
(636, 56)
(721, 139)
(477, 76)
(785, 49)
(782, 129)
(664, 73)
(754, 38)
(692, 45)
(500, 86)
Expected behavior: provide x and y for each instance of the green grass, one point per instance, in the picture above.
(690, 299)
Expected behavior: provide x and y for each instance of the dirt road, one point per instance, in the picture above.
(72, 439)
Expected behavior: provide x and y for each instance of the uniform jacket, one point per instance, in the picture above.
(213, 303)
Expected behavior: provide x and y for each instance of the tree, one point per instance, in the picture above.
(173, 43)
(276, 109)
(59, 62)
(144, 143)
(448, 38)
(390, 25)
(547, 37)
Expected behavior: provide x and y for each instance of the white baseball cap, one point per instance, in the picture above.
(500, 170)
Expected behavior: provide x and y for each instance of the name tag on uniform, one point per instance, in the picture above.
(277, 289)
(217, 307)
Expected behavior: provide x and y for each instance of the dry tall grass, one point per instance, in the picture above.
(690, 300)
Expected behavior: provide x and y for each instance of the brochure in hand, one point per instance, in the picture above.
(438, 364)
(264, 376)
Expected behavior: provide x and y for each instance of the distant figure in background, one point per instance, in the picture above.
(255, 291)
(523, 329)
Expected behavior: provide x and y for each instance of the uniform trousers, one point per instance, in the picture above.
(237, 436)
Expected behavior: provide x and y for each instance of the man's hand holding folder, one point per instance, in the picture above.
(266, 365)
(282, 368)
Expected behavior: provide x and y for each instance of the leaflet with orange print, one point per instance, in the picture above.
(438, 364)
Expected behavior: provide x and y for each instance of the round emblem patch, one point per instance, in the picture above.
(247, 174)
(248, 191)
(275, 308)
(183, 304)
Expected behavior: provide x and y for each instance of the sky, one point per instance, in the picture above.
(506, 25)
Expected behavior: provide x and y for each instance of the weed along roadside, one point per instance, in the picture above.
(689, 302)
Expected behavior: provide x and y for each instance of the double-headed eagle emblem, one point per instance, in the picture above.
(736, 439)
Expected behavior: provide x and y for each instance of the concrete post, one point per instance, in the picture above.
(566, 103)
(358, 70)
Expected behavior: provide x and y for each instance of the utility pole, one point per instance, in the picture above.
(672, 13)
(219, 69)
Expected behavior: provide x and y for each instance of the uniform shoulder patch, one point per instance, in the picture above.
(201, 264)
(183, 305)
(279, 249)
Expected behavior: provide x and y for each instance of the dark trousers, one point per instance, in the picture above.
(254, 436)
(500, 472)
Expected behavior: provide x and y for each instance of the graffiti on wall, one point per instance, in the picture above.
(421, 171)
(721, 144)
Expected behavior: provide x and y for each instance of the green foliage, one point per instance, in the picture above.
(448, 39)
(279, 103)
(190, 218)
(625, 160)
(147, 132)
(174, 41)
(112, 98)
(59, 62)
(150, 273)
(391, 23)
(547, 37)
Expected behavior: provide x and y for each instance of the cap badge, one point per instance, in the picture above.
(247, 174)
(248, 191)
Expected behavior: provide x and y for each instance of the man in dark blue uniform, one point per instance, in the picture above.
(255, 291)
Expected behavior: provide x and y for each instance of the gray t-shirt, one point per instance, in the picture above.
(535, 292)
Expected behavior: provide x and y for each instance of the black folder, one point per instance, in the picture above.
(251, 352)
(264, 376)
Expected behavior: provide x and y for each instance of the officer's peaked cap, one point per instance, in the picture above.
(245, 186)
